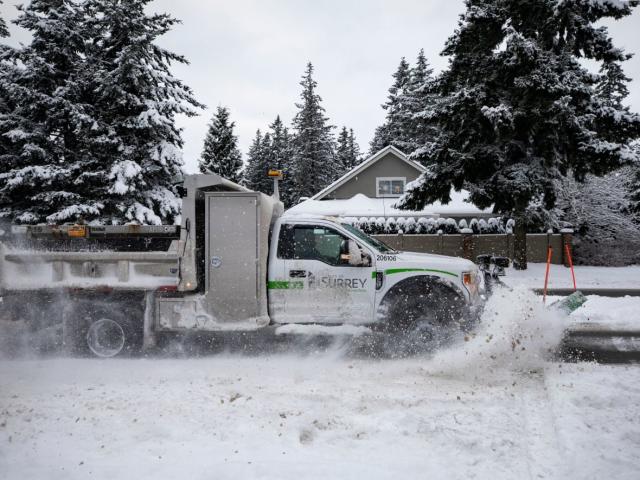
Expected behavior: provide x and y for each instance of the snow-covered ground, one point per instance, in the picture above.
(314, 417)
(491, 406)
(586, 277)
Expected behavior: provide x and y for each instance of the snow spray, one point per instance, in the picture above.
(516, 333)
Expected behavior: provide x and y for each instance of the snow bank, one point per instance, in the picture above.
(622, 312)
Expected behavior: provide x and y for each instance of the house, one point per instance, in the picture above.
(372, 188)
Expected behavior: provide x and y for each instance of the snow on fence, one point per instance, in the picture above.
(424, 225)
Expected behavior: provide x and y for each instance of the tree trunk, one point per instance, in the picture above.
(520, 245)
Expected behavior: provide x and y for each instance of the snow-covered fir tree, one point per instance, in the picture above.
(520, 109)
(392, 131)
(254, 175)
(420, 100)
(6, 71)
(135, 143)
(93, 128)
(634, 184)
(220, 153)
(4, 31)
(412, 98)
(48, 114)
(347, 151)
(278, 154)
(314, 165)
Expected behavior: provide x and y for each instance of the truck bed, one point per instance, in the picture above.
(115, 257)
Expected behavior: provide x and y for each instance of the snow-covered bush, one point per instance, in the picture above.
(428, 225)
(598, 211)
(410, 226)
(390, 225)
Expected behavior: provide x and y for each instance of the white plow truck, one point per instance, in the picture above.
(236, 263)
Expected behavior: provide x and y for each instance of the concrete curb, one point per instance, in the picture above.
(603, 292)
(608, 343)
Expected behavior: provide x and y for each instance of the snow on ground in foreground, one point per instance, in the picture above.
(489, 407)
(560, 276)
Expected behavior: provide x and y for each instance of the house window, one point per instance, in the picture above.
(390, 186)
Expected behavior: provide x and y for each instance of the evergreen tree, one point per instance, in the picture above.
(520, 109)
(278, 154)
(314, 166)
(92, 124)
(4, 31)
(347, 151)
(135, 143)
(7, 71)
(420, 100)
(220, 153)
(391, 132)
(47, 115)
(255, 174)
(354, 149)
(634, 184)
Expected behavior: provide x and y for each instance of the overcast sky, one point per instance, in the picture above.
(249, 55)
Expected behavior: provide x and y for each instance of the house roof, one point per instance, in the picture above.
(363, 166)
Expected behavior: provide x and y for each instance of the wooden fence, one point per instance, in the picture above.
(471, 245)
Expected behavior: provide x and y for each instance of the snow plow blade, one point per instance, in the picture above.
(570, 303)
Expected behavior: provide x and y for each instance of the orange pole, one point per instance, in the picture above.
(546, 274)
(573, 274)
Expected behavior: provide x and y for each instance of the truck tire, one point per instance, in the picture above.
(104, 330)
(421, 314)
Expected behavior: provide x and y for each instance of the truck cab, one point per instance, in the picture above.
(322, 270)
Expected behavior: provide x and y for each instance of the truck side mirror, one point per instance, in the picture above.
(358, 258)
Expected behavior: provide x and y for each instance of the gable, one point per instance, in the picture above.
(388, 163)
(364, 182)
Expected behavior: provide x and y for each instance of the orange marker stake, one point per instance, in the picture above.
(573, 274)
(546, 275)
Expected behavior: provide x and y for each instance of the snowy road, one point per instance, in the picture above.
(315, 417)
(490, 407)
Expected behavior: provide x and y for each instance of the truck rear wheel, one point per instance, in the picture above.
(104, 330)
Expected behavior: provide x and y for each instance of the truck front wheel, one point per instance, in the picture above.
(421, 314)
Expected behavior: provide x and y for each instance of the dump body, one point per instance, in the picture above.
(209, 273)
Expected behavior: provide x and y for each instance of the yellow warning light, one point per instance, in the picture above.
(275, 174)
(77, 231)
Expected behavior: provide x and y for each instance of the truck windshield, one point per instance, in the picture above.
(372, 242)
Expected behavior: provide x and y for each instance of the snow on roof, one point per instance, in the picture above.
(362, 206)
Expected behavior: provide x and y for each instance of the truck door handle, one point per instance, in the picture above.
(297, 273)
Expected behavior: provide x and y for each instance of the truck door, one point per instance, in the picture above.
(320, 286)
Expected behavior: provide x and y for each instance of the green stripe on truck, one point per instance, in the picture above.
(284, 285)
(391, 271)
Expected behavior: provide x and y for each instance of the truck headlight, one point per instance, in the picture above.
(470, 281)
